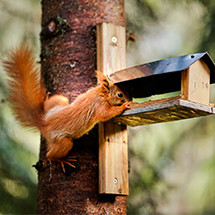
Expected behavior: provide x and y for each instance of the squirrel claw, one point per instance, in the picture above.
(67, 161)
(63, 167)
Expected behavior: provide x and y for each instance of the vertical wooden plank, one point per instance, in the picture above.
(195, 83)
(113, 142)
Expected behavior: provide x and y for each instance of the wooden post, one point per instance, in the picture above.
(195, 83)
(113, 142)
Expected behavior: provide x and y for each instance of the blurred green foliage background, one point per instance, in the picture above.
(19, 148)
(172, 165)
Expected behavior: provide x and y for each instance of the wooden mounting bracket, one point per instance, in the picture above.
(113, 141)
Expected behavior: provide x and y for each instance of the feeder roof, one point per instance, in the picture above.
(159, 77)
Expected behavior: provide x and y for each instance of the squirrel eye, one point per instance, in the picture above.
(120, 95)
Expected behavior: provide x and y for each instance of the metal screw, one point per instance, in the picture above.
(72, 64)
(114, 40)
(115, 180)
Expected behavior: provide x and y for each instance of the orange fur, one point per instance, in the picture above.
(25, 87)
(58, 121)
(54, 101)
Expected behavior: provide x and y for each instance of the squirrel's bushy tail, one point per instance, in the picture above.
(26, 88)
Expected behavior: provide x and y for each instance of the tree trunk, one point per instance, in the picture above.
(68, 60)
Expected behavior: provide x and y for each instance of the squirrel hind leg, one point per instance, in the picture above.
(58, 151)
(54, 101)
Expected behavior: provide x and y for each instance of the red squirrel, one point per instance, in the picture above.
(57, 120)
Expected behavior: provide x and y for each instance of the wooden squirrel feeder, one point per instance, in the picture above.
(190, 74)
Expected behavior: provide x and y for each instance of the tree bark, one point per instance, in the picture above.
(68, 62)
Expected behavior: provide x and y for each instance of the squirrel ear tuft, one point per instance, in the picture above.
(102, 80)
